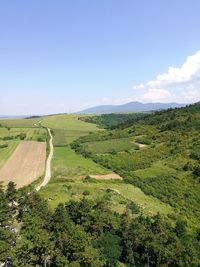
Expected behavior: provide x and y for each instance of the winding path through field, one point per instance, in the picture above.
(47, 176)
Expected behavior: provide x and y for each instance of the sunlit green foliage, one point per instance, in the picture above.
(87, 233)
(168, 141)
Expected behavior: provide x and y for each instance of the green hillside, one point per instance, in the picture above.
(69, 168)
(164, 161)
(149, 218)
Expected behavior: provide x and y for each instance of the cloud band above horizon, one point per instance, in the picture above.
(177, 84)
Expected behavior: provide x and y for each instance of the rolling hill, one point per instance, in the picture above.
(158, 153)
(130, 107)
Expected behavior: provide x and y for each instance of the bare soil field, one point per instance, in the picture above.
(26, 163)
(141, 145)
(110, 176)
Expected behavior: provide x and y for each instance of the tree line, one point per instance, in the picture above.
(89, 234)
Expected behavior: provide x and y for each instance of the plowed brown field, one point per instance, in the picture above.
(26, 163)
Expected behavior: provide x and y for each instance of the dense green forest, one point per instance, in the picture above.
(113, 120)
(84, 233)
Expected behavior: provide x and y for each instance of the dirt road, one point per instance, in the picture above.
(47, 176)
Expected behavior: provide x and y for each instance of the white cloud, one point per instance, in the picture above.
(192, 94)
(156, 94)
(105, 100)
(177, 84)
(139, 86)
(189, 71)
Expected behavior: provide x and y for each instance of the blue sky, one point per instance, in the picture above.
(64, 55)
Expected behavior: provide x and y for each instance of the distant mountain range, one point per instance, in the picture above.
(130, 107)
(12, 116)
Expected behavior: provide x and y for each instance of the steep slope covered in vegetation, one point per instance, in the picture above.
(111, 121)
(86, 233)
(164, 161)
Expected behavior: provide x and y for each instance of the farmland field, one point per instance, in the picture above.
(5, 153)
(26, 164)
(31, 133)
(68, 167)
(67, 128)
(11, 136)
(67, 163)
(108, 146)
(22, 123)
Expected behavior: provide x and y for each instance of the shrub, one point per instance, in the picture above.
(134, 207)
(3, 145)
(196, 171)
(143, 140)
(69, 187)
(195, 154)
(188, 166)
(86, 193)
(87, 178)
(113, 152)
(22, 136)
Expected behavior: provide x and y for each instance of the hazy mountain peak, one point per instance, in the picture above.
(134, 106)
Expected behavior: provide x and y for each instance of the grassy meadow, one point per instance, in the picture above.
(118, 193)
(67, 128)
(19, 123)
(66, 163)
(109, 146)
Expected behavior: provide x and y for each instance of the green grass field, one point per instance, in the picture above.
(67, 121)
(66, 163)
(157, 169)
(107, 146)
(31, 133)
(20, 123)
(67, 128)
(121, 194)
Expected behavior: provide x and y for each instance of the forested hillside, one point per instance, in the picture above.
(86, 233)
(159, 153)
(111, 121)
